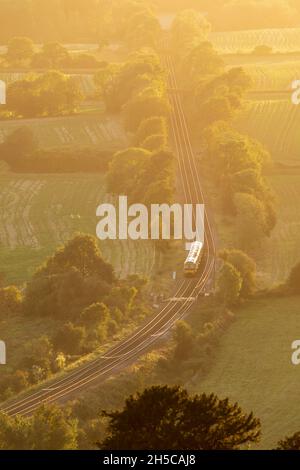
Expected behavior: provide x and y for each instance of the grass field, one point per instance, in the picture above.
(82, 130)
(253, 366)
(275, 123)
(40, 212)
(281, 40)
(281, 251)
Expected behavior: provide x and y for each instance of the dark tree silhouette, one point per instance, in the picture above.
(290, 443)
(163, 417)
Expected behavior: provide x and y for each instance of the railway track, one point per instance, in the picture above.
(128, 350)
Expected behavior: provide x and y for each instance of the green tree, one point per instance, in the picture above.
(155, 125)
(70, 339)
(188, 28)
(290, 443)
(19, 49)
(53, 428)
(184, 341)
(229, 284)
(293, 281)
(168, 418)
(245, 266)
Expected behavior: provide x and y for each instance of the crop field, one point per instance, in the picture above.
(253, 366)
(272, 76)
(81, 130)
(275, 123)
(40, 212)
(281, 40)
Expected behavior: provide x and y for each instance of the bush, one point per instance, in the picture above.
(10, 300)
(70, 339)
(155, 142)
(156, 125)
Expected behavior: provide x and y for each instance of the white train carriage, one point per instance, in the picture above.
(192, 262)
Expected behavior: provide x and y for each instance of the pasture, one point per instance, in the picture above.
(80, 130)
(233, 42)
(40, 212)
(253, 366)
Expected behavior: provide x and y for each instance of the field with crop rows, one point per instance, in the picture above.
(275, 123)
(80, 130)
(40, 212)
(281, 40)
(276, 76)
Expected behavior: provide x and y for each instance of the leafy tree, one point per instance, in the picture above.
(14, 432)
(52, 56)
(154, 142)
(293, 281)
(188, 28)
(19, 49)
(10, 300)
(251, 220)
(81, 252)
(168, 418)
(95, 313)
(144, 105)
(50, 94)
(200, 61)
(246, 268)
(38, 352)
(155, 125)
(290, 443)
(229, 284)
(70, 339)
(184, 341)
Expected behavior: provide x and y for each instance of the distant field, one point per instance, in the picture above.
(273, 76)
(276, 123)
(253, 366)
(81, 130)
(281, 40)
(40, 212)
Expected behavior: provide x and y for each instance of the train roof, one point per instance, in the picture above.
(195, 250)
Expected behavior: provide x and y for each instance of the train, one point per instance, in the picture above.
(192, 262)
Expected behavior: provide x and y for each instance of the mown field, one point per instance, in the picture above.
(276, 124)
(82, 130)
(40, 212)
(253, 366)
(281, 40)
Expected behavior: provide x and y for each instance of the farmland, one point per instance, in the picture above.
(253, 366)
(276, 124)
(281, 40)
(81, 130)
(40, 212)
(273, 76)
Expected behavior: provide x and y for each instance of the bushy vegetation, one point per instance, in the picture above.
(22, 153)
(78, 289)
(49, 94)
